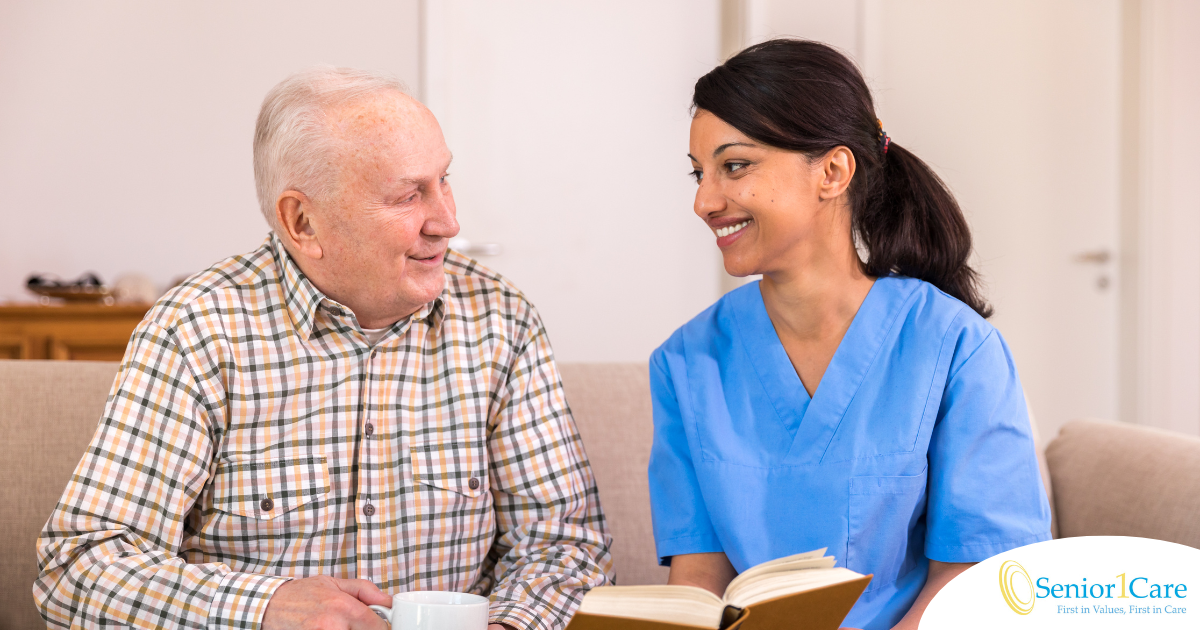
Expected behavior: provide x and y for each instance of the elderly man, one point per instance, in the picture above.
(348, 411)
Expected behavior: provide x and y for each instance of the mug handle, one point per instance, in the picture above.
(382, 611)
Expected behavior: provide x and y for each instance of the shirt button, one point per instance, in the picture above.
(473, 483)
(374, 353)
(370, 429)
(369, 509)
(266, 504)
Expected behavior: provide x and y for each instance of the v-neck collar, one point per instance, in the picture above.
(813, 421)
(764, 351)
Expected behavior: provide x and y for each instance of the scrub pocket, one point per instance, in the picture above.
(883, 513)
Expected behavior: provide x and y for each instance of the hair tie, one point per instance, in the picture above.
(884, 140)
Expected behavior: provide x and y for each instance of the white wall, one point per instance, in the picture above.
(838, 24)
(569, 126)
(126, 126)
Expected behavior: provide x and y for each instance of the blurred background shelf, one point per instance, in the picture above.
(68, 332)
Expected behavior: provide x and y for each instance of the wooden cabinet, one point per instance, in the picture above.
(71, 332)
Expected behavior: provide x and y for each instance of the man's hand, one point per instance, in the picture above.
(325, 603)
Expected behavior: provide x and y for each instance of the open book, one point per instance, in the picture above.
(800, 591)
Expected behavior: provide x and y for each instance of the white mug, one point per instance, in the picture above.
(436, 610)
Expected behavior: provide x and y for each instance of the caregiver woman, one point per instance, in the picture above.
(851, 399)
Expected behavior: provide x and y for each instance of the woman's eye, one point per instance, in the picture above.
(697, 175)
(734, 167)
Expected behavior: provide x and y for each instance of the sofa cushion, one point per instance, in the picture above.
(611, 405)
(1115, 479)
(49, 412)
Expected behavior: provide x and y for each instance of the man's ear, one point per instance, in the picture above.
(837, 169)
(293, 215)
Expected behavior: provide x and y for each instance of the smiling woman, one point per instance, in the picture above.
(841, 402)
(907, 220)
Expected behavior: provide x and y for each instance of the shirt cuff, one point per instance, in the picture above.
(517, 615)
(241, 600)
(979, 552)
(680, 545)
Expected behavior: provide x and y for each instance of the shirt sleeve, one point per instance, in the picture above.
(553, 543)
(985, 490)
(110, 553)
(680, 517)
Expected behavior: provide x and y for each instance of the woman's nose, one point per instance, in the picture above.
(708, 199)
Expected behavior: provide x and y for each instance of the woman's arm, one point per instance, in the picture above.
(940, 573)
(710, 571)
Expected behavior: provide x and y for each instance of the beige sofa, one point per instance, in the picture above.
(1107, 479)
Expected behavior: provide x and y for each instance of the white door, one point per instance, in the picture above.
(569, 127)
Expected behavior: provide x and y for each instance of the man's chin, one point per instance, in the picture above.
(423, 290)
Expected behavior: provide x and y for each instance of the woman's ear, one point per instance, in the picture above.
(838, 169)
(294, 217)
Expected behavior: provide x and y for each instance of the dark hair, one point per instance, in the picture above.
(805, 96)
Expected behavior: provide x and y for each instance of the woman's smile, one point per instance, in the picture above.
(728, 234)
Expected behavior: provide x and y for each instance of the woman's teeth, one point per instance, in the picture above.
(726, 231)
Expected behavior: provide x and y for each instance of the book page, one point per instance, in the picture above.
(687, 605)
(786, 583)
(806, 560)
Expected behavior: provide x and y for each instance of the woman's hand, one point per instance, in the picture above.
(940, 573)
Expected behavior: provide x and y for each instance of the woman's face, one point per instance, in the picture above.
(770, 209)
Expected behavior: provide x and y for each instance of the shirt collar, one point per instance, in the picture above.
(302, 298)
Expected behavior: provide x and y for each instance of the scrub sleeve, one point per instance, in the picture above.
(680, 516)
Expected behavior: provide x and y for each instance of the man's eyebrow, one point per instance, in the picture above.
(418, 181)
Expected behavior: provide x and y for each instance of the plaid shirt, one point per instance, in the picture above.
(253, 435)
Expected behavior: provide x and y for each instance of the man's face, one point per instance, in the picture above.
(385, 225)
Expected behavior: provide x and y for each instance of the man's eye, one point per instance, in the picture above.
(697, 175)
(442, 180)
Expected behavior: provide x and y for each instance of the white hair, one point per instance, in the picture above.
(291, 139)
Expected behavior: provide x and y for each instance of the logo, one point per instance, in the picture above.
(1093, 582)
(1017, 587)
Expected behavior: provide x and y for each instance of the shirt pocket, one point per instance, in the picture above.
(266, 504)
(456, 466)
(884, 515)
(453, 507)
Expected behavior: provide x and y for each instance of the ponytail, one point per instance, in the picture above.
(805, 96)
(915, 228)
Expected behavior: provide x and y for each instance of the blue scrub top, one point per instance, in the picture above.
(916, 445)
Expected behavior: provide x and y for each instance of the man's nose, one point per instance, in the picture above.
(441, 220)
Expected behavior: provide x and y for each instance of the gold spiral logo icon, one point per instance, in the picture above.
(1013, 574)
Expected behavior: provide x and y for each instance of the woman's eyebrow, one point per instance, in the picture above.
(732, 144)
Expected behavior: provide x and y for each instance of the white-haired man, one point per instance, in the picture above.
(349, 410)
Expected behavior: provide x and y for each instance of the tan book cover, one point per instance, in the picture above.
(822, 608)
